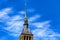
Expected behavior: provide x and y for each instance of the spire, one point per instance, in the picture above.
(25, 29)
(25, 7)
(25, 10)
(25, 16)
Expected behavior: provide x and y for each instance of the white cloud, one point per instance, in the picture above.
(22, 12)
(31, 10)
(15, 27)
(44, 32)
(41, 24)
(6, 10)
(31, 19)
(28, 10)
(13, 19)
(44, 35)
(4, 14)
(14, 24)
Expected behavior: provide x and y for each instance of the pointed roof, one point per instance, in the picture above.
(25, 29)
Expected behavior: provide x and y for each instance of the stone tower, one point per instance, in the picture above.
(26, 33)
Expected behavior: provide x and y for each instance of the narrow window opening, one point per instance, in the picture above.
(24, 37)
(29, 38)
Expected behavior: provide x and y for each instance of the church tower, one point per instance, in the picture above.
(26, 33)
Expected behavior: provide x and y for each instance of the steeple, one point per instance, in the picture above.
(25, 29)
(26, 33)
(25, 17)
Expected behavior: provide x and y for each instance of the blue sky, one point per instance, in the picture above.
(43, 17)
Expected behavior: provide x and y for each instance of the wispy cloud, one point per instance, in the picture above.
(22, 12)
(15, 25)
(41, 24)
(4, 14)
(34, 18)
(28, 10)
(44, 32)
(31, 10)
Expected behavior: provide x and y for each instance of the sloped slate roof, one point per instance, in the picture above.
(26, 31)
